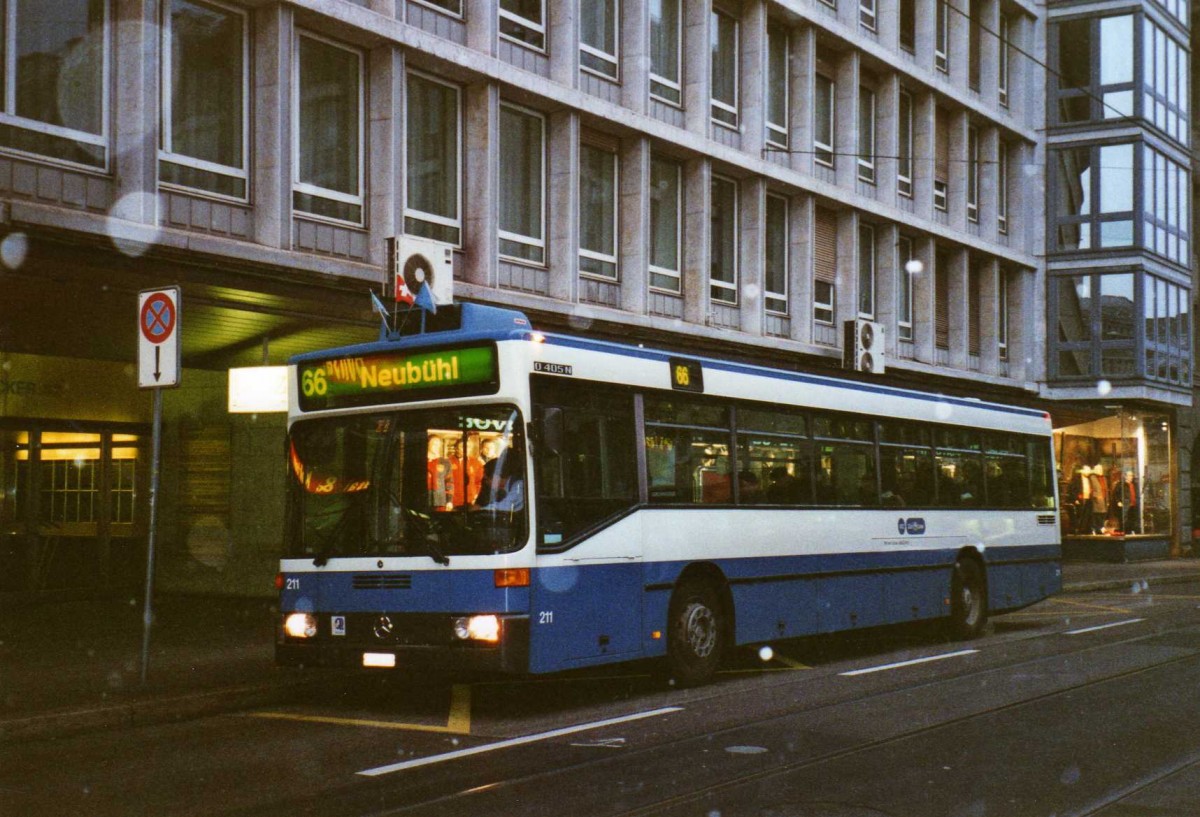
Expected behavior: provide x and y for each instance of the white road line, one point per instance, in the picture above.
(909, 663)
(1103, 626)
(504, 744)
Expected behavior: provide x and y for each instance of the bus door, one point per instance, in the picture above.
(588, 586)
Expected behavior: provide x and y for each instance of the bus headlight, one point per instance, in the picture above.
(300, 625)
(477, 628)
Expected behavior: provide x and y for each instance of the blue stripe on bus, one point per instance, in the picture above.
(794, 377)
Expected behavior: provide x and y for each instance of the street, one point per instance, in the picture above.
(1082, 705)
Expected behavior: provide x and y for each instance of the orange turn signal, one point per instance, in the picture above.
(512, 577)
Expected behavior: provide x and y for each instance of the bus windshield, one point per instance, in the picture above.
(432, 483)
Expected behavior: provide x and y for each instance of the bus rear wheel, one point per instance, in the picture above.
(696, 634)
(968, 600)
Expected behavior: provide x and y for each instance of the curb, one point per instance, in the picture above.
(1122, 583)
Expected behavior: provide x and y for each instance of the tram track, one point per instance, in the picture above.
(454, 802)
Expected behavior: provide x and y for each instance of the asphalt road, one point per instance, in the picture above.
(1086, 704)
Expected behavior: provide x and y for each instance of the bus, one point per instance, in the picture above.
(480, 496)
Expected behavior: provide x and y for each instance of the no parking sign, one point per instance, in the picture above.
(158, 338)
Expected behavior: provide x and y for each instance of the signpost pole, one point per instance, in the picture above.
(148, 607)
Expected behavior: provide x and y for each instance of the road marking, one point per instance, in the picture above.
(783, 659)
(505, 744)
(1094, 606)
(900, 664)
(1103, 626)
(458, 722)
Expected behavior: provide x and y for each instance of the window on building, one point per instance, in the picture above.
(1166, 318)
(904, 163)
(908, 25)
(1094, 63)
(973, 174)
(328, 130)
(867, 14)
(1093, 197)
(824, 266)
(866, 271)
(974, 306)
(941, 43)
(1002, 312)
(941, 160)
(778, 85)
(665, 36)
(723, 31)
(724, 279)
(866, 134)
(776, 276)
(904, 288)
(204, 98)
(56, 66)
(1002, 188)
(432, 160)
(823, 127)
(1164, 82)
(523, 21)
(522, 184)
(941, 298)
(974, 43)
(597, 211)
(666, 224)
(1165, 213)
(598, 27)
(1002, 68)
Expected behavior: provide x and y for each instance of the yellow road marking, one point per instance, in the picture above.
(783, 659)
(458, 722)
(1093, 606)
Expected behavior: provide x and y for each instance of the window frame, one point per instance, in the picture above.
(823, 153)
(305, 188)
(904, 288)
(420, 215)
(596, 255)
(941, 39)
(9, 117)
(720, 107)
(1002, 188)
(777, 132)
(535, 27)
(868, 15)
(673, 85)
(776, 301)
(1003, 80)
(904, 161)
(608, 60)
(675, 275)
(166, 109)
(537, 242)
(867, 141)
(716, 285)
(973, 174)
(867, 267)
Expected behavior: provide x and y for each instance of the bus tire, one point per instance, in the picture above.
(968, 600)
(696, 633)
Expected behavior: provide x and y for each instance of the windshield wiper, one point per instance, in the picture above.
(426, 534)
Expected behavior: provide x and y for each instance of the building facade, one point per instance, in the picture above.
(735, 176)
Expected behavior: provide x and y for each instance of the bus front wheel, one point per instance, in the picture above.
(968, 600)
(696, 634)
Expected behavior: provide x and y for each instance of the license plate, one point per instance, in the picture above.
(379, 659)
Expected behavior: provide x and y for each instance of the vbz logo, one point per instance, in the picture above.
(911, 527)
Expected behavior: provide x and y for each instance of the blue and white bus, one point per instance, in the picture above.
(483, 496)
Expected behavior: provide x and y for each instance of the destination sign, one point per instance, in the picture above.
(395, 377)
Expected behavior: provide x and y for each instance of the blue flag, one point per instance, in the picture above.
(382, 310)
(425, 300)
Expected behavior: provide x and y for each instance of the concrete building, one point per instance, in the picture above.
(737, 176)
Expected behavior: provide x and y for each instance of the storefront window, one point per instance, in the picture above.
(1115, 475)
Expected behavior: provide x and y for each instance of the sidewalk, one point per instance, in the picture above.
(75, 667)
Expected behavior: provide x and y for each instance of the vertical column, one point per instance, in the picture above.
(956, 201)
(959, 309)
(924, 301)
(846, 297)
(752, 217)
(924, 152)
(635, 55)
(481, 210)
(989, 182)
(989, 52)
(989, 316)
(845, 119)
(1022, 78)
(960, 40)
(385, 7)
(887, 22)
(1026, 199)
(697, 249)
(562, 34)
(886, 237)
(752, 53)
(483, 25)
(1022, 341)
(887, 136)
(634, 220)
(800, 108)
(926, 11)
(135, 111)
(800, 268)
(562, 174)
(271, 179)
(697, 66)
(385, 141)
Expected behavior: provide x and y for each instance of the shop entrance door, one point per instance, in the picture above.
(71, 506)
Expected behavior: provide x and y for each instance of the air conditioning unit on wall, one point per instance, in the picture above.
(421, 261)
(862, 346)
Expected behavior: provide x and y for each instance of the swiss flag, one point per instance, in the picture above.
(404, 295)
